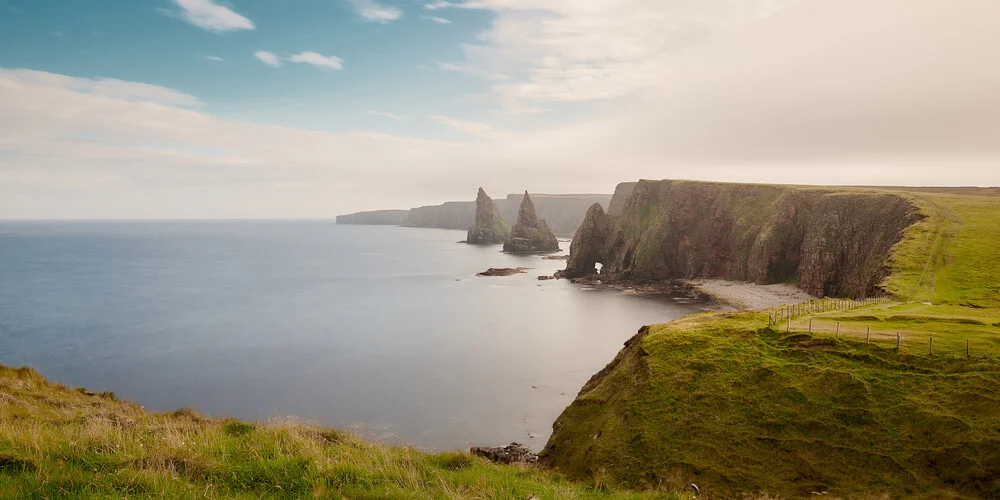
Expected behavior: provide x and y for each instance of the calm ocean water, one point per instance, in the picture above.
(383, 329)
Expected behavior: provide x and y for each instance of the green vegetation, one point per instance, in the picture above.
(953, 255)
(65, 443)
(725, 402)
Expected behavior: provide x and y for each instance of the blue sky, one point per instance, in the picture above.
(389, 67)
(311, 108)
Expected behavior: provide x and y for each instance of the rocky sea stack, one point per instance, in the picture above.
(530, 234)
(490, 228)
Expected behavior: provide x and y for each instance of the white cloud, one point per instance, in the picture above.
(387, 115)
(268, 58)
(371, 10)
(470, 70)
(207, 14)
(102, 87)
(318, 60)
(214, 58)
(439, 20)
(468, 127)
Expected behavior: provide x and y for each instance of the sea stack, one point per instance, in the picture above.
(490, 228)
(530, 234)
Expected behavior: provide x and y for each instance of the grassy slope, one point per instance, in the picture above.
(952, 256)
(60, 442)
(723, 400)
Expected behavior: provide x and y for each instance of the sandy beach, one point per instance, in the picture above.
(746, 296)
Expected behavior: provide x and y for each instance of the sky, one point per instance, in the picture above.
(314, 108)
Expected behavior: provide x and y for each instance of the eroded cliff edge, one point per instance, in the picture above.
(830, 242)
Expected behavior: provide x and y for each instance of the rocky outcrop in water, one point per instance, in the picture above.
(563, 212)
(829, 242)
(530, 234)
(490, 228)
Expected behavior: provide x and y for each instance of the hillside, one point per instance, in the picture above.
(824, 402)
(57, 442)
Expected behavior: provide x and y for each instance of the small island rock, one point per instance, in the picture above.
(530, 234)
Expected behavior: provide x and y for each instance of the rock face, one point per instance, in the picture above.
(530, 234)
(830, 242)
(490, 228)
(563, 212)
(514, 453)
(375, 218)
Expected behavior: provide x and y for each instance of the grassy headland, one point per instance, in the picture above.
(736, 406)
(57, 442)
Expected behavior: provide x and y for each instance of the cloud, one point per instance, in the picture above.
(371, 10)
(208, 15)
(387, 115)
(470, 69)
(439, 20)
(99, 87)
(268, 58)
(318, 60)
(214, 58)
(468, 127)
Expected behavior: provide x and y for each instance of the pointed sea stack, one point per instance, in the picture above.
(490, 228)
(530, 234)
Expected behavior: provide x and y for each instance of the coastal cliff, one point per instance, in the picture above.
(531, 234)
(375, 218)
(829, 242)
(490, 227)
(563, 212)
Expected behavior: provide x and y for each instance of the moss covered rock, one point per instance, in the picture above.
(530, 234)
(490, 228)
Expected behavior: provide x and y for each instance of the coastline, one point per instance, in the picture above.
(732, 295)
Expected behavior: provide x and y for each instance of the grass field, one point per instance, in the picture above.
(953, 255)
(57, 442)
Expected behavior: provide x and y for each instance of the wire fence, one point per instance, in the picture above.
(797, 318)
(788, 312)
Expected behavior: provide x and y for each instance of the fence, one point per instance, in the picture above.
(787, 312)
(793, 318)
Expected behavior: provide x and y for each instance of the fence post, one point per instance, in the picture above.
(899, 340)
(967, 348)
(868, 336)
(838, 329)
(788, 327)
(810, 325)
(932, 345)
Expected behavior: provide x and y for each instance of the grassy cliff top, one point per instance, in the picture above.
(726, 402)
(953, 255)
(67, 443)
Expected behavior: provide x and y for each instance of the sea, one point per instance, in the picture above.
(386, 331)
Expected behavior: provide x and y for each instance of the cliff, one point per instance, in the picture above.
(490, 227)
(563, 212)
(530, 234)
(449, 215)
(375, 218)
(829, 242)
(622, 191)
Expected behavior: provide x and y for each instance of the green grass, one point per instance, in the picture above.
(953, 255)
(954, 328)
(57, 442)
(725, 402)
